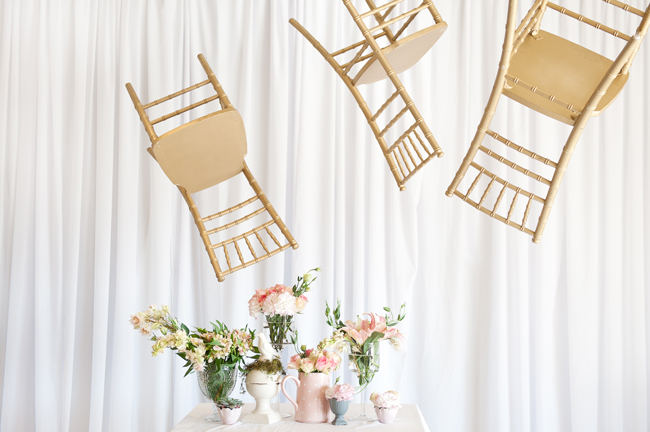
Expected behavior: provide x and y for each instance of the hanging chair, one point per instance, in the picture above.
(554, 77)
(390, 45)
(203, 153)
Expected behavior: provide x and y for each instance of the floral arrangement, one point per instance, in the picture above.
(325, 358)
(278, 304)
(315, 361)
(363, 336)
(200, 347)
(386, 400)
(340, 392)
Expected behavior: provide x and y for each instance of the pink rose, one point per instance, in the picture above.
(322, 363)
(294, 362)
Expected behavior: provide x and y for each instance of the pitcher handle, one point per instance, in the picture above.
(284, 390)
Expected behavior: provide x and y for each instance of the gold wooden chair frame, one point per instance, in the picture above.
(207, 151)
(555, 77)
(415, 144)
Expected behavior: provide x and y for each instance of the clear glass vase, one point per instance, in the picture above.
(216, 381)
(365, 366)
(279, 329)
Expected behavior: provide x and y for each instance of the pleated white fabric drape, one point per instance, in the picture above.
(503, 335)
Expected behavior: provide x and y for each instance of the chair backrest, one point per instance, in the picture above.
(203, 152)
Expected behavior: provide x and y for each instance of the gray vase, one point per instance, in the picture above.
(339, 408)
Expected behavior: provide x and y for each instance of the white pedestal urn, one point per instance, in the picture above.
(263, 387)
(263, 382)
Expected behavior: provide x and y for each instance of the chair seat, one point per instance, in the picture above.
(402, 54)
(203, 152)
(563, 69)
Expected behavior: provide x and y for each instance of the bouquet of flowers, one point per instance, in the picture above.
(197, 347)
(340, 392)
(363, 336)
(278, 304)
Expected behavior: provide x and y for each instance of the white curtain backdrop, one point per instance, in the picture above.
(503, 335)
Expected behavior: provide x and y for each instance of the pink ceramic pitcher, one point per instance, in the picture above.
(310, 404)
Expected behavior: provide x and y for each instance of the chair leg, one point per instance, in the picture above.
(269, 207)
(202, 231)
(562, 164)
(495, 95)
(400, 174)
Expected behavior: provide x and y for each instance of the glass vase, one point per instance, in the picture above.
(285, 351)
(216, 381)
(365, 366)
(279, 329)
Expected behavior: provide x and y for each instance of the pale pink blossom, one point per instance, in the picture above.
(340, 392)
(307, 366)
(322, 363)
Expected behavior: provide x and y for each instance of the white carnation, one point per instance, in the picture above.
(284, 304)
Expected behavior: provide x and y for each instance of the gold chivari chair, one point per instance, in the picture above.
(552, 76)
(204, 152)
(393, 41)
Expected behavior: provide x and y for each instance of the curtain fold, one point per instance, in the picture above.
(503, 335)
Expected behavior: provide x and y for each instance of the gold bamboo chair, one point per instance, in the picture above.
(555, 77)
(203, 153)
(390, 45)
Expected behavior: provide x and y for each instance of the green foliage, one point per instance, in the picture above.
(391, 321)
(304, 281)
(333, 317)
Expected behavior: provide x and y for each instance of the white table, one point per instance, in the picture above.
(409, 419)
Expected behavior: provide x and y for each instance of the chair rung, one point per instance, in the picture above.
(521, 149)
(588, 21)
(393, 121)
(399, 18)
(241, 236)
(354, 45)
(230, 209)
(385, 105)
(404, 135)
(515, 166)
(380, 8)
(494, 215)
(357, 60)
(178, 93)
(626, 7)
(257, 259)
(236, 222)
(498, 179)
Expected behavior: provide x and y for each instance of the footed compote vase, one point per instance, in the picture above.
(216, 381)
(339, 408)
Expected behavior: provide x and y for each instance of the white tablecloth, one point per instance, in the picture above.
(409, 419)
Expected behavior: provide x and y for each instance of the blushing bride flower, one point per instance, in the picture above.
(340, 392)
